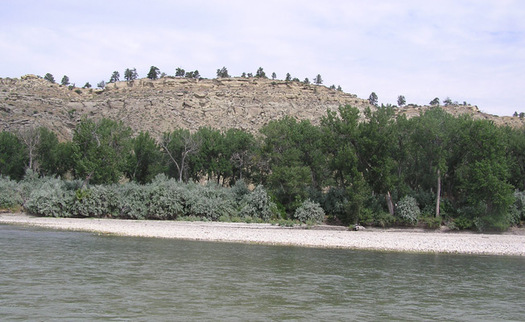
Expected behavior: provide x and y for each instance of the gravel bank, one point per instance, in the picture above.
(384, 240)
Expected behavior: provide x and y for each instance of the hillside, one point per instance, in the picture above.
(162, 105)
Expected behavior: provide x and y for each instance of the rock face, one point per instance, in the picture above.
(168, 103)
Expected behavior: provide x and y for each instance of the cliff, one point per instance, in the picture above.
(162, 105)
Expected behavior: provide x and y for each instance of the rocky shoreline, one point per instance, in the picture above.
(399, 240)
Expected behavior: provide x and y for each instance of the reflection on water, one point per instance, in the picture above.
(49, 274)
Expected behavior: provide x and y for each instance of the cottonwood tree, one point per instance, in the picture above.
(178, 146)
(145, 161)
(30, 137)
(100, 150)
(13, 156)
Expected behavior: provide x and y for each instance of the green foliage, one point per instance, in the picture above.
(179, 72)
(65, 80)
(309, 211)
(257, 204)
(260, 73)
(145, 160)
(100, 150)
(13, 156)
(373, 99)
(10, 196)
(51, 199)
(49, 77)
(222, 73)
(408, 210)
(401, 101)
(318, 80)
(130, 74)
(114, 77)
(153, 73)
(210, 201)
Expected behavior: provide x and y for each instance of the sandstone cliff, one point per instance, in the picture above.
(168, 103)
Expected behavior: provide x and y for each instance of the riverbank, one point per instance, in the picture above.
(320, 236)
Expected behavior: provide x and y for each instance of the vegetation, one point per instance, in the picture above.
(372, 168)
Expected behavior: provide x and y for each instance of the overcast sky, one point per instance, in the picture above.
(470, 51)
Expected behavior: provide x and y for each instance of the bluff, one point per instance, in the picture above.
(168, 103)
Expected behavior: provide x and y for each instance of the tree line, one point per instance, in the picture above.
(383, 170)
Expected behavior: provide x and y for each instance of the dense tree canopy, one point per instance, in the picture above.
(370, 167)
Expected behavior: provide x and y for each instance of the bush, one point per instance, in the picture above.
(10, 197)
(210, 201)
(309, 211)
(257, 204)
(50, 199)
(408, 210)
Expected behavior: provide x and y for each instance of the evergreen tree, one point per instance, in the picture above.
(288, 77)
(179, 72)
(260, 73)
(65, 80)
(49, 77)
(130, 74)
(401, 100)
(114, 77)
(222, 73)
(153, 73)
(373, 99)
(318, 80)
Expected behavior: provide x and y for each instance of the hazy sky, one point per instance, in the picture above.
(470, 51)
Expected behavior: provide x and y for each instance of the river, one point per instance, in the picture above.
(49, 275)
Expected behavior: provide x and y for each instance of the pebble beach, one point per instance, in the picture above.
(398, 240)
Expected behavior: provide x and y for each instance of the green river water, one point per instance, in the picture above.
(48, 275)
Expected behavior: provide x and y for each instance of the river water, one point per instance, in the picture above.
(49, 275)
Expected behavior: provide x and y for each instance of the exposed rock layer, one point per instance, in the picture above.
(168, 103)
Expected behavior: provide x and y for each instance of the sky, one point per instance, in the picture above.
(471, 51)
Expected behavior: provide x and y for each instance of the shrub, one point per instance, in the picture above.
(257, 204)
(95, 201)
(408, 210)
(166, 198)
(10, 196)
(50, 199)
(210, 201)
(309, 211)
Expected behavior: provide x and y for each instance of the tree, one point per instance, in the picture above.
(87, 85)
(306, 81)
(102, 84)
(274, 75)
(401, 100)
(340, 142)
(249, 75)
(46, 152)
(339, 88)
(179, 72)
(30, 137)
(130, 74)
(434, 102)
(222, 73)
(13, 156)
(373, 99)
(145, 161)
(153, 73)
(375, 149)
(101, 150)
(195, 74)
(65, 80)
(114, 77)
(178, 146)
(447, 101)
(49, 77)
(318, 80)
(260, 73)
(288, 77)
